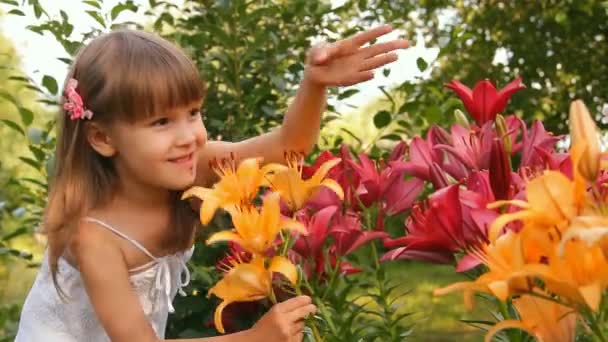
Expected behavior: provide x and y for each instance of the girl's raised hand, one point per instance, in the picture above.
(284, 322)
(347, 62)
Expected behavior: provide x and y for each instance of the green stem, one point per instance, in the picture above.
(286, 242)
(310, 320)
(597, 329)
(272, 297)
(513, 335)
(315, 330)
(333, 278)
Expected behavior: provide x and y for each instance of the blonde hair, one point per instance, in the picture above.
(123, 75)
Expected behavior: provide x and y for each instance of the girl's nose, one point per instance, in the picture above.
(186, 134)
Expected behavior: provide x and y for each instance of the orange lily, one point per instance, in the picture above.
(592, 229)
(257, 229)
(246, 282)
(505, 259)
(584, 131)
(287, 180)
(237, 186)
(580, 275)
(546, 320)
(552, 201)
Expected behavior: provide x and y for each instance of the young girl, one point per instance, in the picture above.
(131, 139)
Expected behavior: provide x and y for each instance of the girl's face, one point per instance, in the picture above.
(161, 151)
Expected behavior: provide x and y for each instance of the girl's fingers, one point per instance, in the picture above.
(320, 53)
(378, 61)
(297, 328)
(367, 36)
(325, 52)
(358, 78)
(293, 304)
(301, 312)
(298, 337)
(381, 48)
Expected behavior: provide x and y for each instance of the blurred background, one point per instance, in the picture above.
(251, 53)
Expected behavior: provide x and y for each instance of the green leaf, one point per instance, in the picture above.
(382, 119)
(10, 2)
(31, 162)
(14, 234)
(38, 153)
(392, 136)
(9, 97)
(38, 10)
(92, 3)
(16, 12)
(13, 125)
(347, 131)
(348, 93)
(27, 116)
(422, 64)
(116, 10)
(434, 114)
(50, 84)
(19, 78)
(97, 17)
(67, 61)
(35, 182)
(408, 107)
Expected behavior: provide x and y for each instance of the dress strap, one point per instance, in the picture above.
(122, 235)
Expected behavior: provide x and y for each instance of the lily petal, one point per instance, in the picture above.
(282, 265)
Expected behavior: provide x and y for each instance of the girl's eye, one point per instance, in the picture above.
(160, 122)
(195, 112)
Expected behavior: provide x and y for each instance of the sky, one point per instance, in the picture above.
(39, 53)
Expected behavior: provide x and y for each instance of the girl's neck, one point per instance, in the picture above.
(139, 196)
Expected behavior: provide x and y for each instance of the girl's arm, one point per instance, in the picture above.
(105, 273)
(342, 63)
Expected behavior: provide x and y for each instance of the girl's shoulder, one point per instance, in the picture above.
(90, 240)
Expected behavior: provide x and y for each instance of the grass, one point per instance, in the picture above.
(436, 318)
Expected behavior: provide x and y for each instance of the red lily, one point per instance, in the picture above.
(537, 145)
(483, 102)
(385, 185)
(469, 152)
(310, 247)
(312, 251)
(398, 152)
(421, 157)
(342, 173)
(500, 170)
(453, 221)
(349, 236)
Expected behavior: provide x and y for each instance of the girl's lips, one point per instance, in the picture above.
(182, 160)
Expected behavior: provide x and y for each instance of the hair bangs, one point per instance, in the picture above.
(153, 78)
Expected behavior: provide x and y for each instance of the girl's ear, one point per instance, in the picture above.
(99, 139)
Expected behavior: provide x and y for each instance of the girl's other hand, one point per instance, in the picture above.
(284, 322)
(346, 62)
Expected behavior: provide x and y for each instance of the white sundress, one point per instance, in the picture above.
(47, 317)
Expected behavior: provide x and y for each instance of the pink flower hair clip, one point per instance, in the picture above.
(73, 104)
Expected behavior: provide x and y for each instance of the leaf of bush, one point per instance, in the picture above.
(382, 119)
(13, 125)
(422, 64)
(50, 84)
